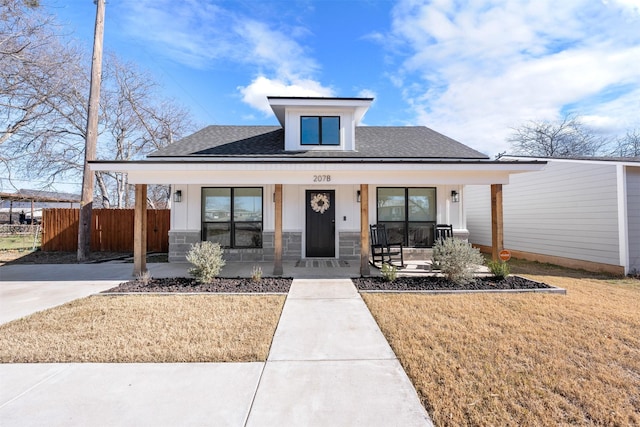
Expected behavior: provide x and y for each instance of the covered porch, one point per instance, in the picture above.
(283, 190)
(283, 249)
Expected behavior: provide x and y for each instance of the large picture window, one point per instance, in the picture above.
(232, 217)
(320, 130)
(409, 215)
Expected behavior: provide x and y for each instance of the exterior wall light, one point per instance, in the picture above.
(358, 196)
(177, 196)
(455, 197)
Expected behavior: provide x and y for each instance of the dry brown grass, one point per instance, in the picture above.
(146, 328)
(522, 359)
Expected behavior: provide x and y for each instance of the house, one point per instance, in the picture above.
(311, 187)
(581, 213)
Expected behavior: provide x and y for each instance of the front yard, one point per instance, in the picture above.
(475, 359)
(522, 359)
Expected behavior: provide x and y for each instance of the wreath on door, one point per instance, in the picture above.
(320, 203)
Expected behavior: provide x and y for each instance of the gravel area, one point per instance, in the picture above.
(282, 285)
(431, 283)
(220, 284)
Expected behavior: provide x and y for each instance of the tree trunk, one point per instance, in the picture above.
(86, 205)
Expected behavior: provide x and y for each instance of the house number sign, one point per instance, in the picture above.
(321, 178)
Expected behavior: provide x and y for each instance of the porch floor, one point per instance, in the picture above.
(300, 269)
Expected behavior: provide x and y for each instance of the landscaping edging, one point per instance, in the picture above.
(552, 290)
(109, 294)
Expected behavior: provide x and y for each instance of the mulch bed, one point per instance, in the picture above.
(220, 284)
(282, 285)
(431, 283)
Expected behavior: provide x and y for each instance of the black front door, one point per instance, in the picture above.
(321, 223)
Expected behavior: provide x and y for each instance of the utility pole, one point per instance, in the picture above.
(84, 225)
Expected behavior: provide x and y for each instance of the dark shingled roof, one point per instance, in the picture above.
(371, 142)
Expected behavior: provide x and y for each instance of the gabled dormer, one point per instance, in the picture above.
(319, 123)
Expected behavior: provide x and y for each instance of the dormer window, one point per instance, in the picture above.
(319, 124)
(319, 130)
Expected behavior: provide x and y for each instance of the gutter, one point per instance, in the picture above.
(261, 160)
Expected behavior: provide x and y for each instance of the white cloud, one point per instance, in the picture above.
(255, 94)
(366, 93)
(632, 6)
(274, 50)
(190, 32)
(478, 69)
(200, 35)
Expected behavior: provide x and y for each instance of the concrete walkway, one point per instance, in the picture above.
(329, 365)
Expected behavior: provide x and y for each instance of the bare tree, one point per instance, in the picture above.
(628, 145)
(31, 56)
(136, 122)
(35, 71)
(567, 137)
(44, 85)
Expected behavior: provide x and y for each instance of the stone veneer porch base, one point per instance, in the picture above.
(180, 243)
(349, 247)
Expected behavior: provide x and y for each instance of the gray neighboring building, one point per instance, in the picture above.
(582, 213)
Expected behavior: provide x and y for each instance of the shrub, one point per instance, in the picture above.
(144, 277)
(389, 272)
(256, 273)
(456, 259)
(499, 269)
(207, 261)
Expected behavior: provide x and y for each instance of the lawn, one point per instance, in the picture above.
(19, 241)
(146, 328)
(522, 359)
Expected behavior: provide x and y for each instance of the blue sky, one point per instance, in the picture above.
(469, 69)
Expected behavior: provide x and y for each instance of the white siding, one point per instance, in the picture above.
(186, 215)
(633, 216)
(569, 210)
(477, 203)
(295, 205)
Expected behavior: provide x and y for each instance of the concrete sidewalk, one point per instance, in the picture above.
(26, 289)
(329, 365)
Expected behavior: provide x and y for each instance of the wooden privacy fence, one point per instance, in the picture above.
(111, 230)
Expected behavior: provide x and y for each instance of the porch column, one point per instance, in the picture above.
(277, 237)
(140, 231)
(497, 235)
(364, 230)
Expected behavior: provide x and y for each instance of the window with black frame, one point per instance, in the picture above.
(409, 214)
(232, 216)
(320, 130)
